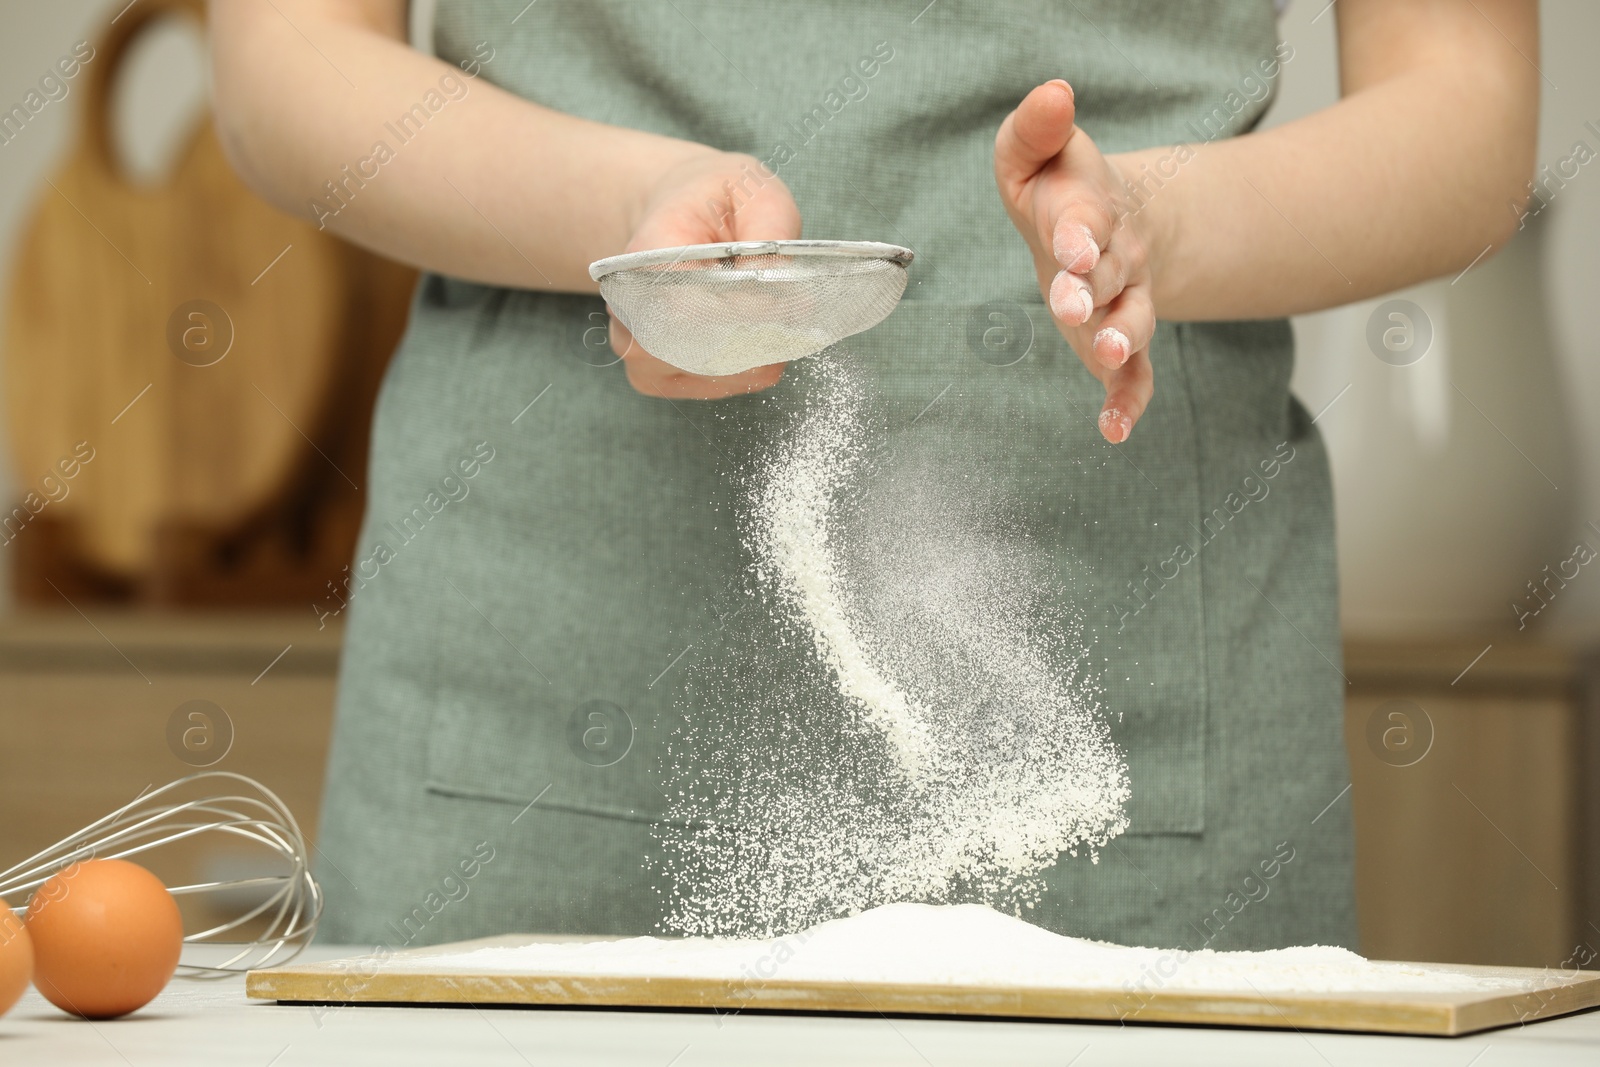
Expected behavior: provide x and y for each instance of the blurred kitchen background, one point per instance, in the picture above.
(156, 601)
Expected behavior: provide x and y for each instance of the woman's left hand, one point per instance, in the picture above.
(1093, 259)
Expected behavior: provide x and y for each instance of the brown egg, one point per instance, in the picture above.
(16, 958)
(106, 938)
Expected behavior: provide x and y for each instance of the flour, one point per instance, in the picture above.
(968, 945)
(910, 714)
(794, 536)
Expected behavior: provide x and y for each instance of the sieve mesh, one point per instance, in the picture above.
(722, 309)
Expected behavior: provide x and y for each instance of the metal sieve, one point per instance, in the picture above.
(724, 308)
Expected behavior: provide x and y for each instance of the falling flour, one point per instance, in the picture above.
(794, 536)
(908, 715)
(966, 945)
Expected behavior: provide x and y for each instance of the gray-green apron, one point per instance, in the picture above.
(519, 647)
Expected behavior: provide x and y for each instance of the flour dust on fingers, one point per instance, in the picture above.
(907, 710)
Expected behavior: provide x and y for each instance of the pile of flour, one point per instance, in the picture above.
(967, 945)
(913, 716)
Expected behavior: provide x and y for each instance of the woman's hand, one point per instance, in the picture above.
(708, 197)
(1093, 260)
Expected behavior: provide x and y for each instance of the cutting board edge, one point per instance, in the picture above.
(1445, 1015)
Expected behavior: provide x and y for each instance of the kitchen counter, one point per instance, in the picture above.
(211, 1023)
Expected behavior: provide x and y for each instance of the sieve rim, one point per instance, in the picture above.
(902, 256)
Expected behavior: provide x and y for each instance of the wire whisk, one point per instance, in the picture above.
(271, 932)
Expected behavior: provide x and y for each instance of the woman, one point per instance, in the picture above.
(487, 647)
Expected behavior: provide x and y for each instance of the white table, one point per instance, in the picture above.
(211, 1023)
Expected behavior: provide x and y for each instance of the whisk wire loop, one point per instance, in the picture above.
(267, 932)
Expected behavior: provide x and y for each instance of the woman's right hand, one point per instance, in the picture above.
(706, 198)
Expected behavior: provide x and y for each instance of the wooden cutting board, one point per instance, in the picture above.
(97, 306)
(406, 978)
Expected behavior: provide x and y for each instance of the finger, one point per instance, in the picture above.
(682, 224)
(1125, 327)
(655, 377)
(1033, 134)
(763, 209)
(1071, 299)
(652, 377)
(1074, 296)
(622, 341)
(1128, 392)
(751, 381)
(1082, 223)
(742, 202)
(1128, 324)
(1108, 277)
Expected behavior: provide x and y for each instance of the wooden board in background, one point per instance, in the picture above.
(103, 266)
(405, 978)
(223, 446)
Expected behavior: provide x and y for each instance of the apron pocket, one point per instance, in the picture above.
(596, 763)
(571, 602)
